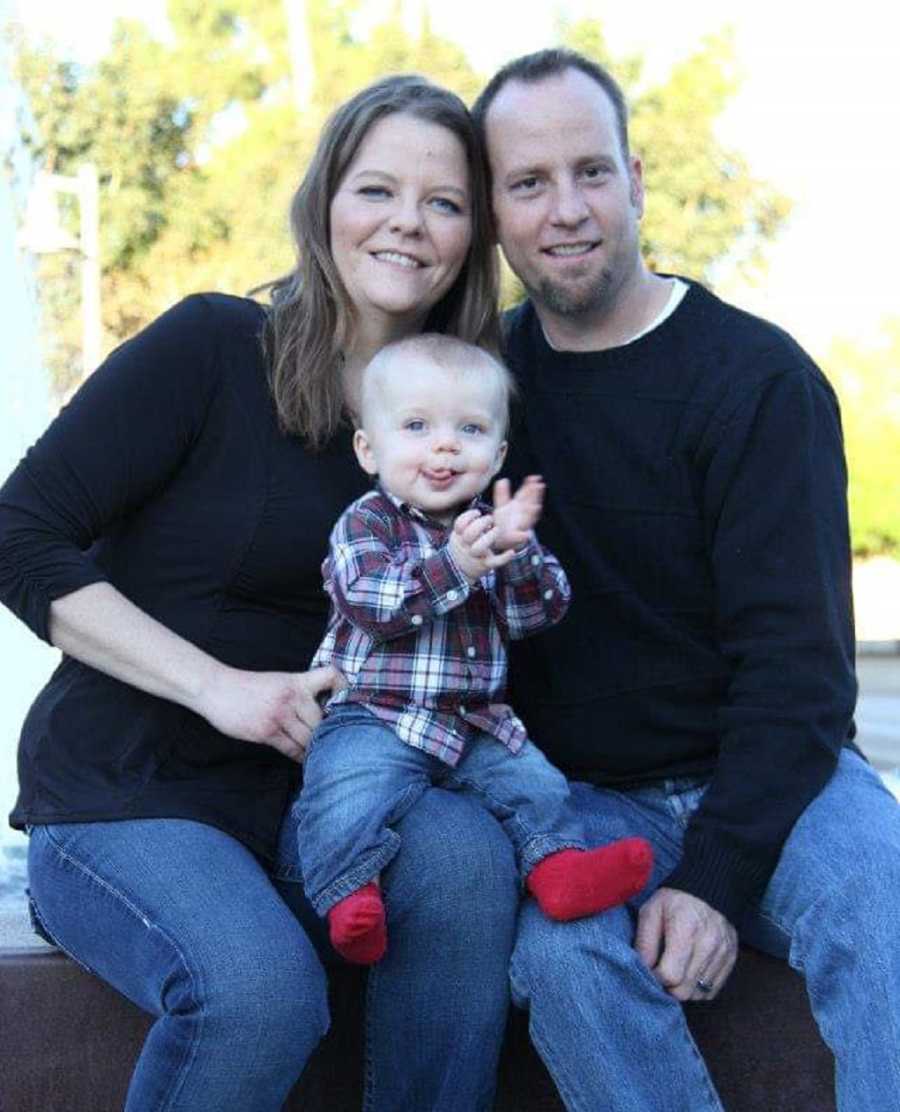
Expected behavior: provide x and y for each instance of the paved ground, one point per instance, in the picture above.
(878, 712)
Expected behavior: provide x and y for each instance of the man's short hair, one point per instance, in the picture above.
(531, 68)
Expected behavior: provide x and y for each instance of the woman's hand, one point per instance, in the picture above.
(101, 627)
(269, 708)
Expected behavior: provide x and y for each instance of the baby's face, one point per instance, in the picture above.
(433, 437)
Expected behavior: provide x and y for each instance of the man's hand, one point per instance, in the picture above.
(279, 709)
(516, 515)
(683, 941)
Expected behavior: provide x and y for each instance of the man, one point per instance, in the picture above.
(700, 692)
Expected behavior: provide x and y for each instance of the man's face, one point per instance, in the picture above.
(566, 199)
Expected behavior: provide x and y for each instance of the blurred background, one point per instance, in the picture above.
(150, 149)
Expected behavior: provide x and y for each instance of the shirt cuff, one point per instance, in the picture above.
(528, 562)
(30, 597)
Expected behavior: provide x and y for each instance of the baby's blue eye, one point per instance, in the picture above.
(471, 429)
(415, 425)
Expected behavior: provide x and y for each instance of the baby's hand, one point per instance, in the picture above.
(515, 516)
(471, 545)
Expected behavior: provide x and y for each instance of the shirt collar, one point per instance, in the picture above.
(419, 515)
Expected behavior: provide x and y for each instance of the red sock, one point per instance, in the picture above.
(573, 883)
(357, 926)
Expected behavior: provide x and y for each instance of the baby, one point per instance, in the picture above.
(427, 583)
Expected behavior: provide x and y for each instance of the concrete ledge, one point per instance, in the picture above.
(878, 648)
(69, 1042)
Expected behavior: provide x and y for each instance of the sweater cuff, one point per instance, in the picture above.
(30, 597)
(720, 876)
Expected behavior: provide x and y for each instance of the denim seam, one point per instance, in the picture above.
(365, 870)
(779, 926)
(368, 1054)
(131, 907)
(568, 1097)
(54, 941)
(711, 1095)
(544, 1049)
(539, 847)
(530, 848)
(797, 960)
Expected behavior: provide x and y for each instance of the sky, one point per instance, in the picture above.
(818, 114)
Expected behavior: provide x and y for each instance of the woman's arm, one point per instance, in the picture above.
(123, 438)
(100, 627)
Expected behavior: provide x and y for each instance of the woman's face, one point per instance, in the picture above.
(401, 221)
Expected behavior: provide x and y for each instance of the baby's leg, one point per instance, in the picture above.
(359, 779)
(531, 799)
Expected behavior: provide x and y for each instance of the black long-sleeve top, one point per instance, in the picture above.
(167, 476)
(697, 500)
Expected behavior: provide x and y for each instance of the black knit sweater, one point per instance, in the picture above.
(168, 477)
(697, 500)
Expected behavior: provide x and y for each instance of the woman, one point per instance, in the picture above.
(166, 533)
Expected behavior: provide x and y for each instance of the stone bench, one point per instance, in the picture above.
(68, 1042)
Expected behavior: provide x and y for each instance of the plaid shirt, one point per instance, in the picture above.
(422, 647)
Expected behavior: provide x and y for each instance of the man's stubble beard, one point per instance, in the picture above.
(566, 301)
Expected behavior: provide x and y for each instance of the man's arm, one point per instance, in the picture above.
(775, 505)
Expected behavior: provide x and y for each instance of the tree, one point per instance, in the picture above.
(703, 205)
(199, 147)
(867, 380)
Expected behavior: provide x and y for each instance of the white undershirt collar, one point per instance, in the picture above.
(679, 289)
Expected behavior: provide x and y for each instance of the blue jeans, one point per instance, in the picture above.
(613, 1039)
(360, 779)
(184, 921)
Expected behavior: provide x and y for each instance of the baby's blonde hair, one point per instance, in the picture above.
(449, 353)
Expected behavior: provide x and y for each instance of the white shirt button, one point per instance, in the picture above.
(535, 560)
(452, 595)
(462, 710)
(548, 594)
(470, 651)
(417, 619)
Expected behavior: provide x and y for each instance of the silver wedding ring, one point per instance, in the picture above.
(703, 986)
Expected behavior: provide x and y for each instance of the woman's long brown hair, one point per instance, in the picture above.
(312, 317)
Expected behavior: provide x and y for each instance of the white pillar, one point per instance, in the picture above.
(92, 329)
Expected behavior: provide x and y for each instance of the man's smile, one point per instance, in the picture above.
(571, 250)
